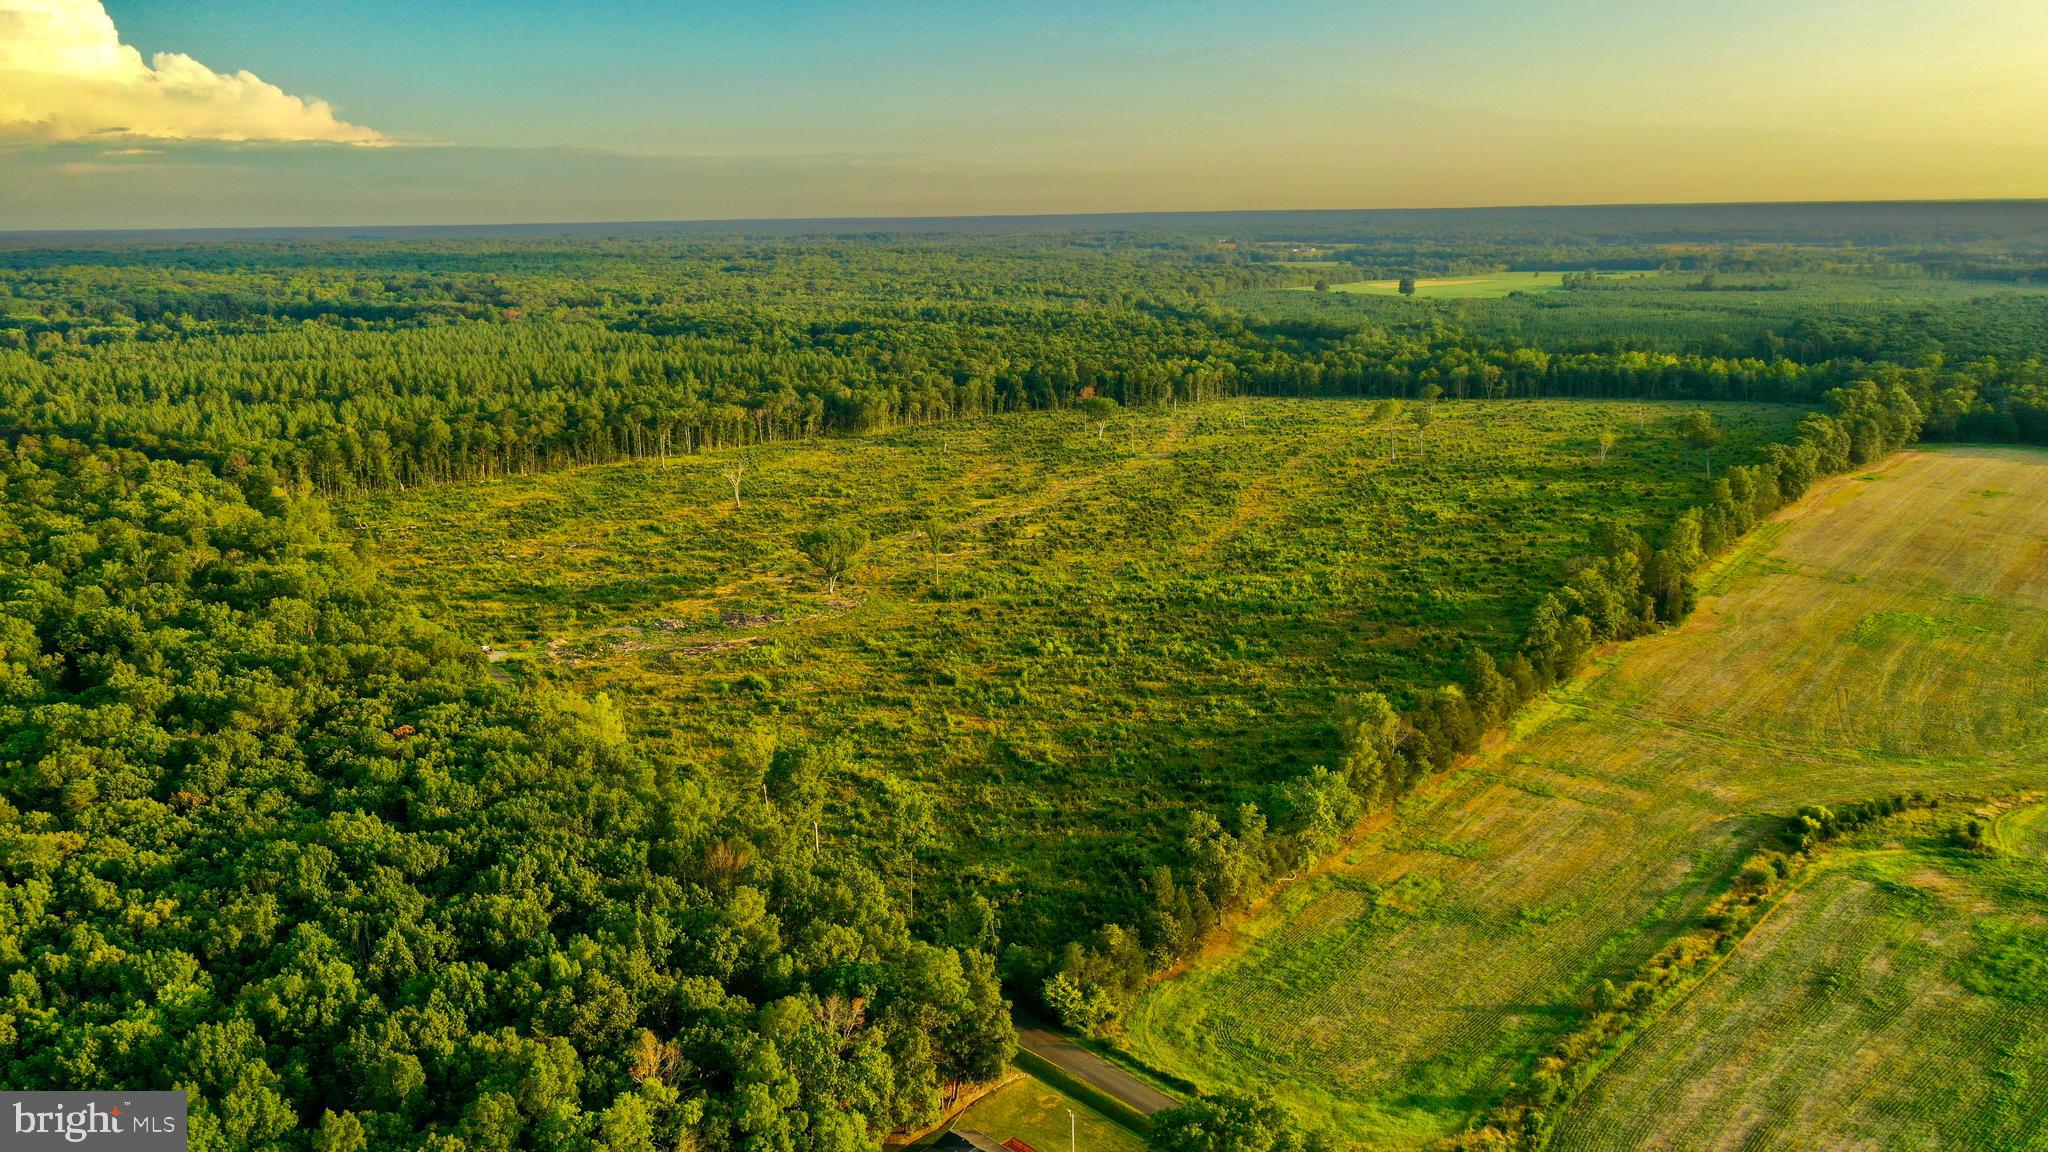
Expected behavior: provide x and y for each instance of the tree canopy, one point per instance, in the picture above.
(270, 836)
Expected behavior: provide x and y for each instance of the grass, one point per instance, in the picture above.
(1117, 628)
(1482, 287)
(1059, 1079)
(2024, 831)
(1879, 637)
(1877, 1008)
(1035, 1112)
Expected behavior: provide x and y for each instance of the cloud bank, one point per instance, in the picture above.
(65, 75)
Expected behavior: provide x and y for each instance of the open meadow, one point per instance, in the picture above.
(1887, 634)
(1120, 621)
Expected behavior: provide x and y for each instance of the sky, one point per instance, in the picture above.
(220, 113)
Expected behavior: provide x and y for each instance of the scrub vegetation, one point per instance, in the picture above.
(1111, 634)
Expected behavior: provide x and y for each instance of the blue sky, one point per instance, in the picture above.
(523, 109)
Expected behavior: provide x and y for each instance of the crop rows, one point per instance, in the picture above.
(1839, 1023)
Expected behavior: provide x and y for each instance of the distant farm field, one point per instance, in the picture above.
(1887, 634)
(1120, 623)
(1481, 287)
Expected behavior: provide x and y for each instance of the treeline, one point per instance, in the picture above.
(1629, 586)
(81, 297)
(269, 837)
(344, 368)
(331, 411)
(1462, 257)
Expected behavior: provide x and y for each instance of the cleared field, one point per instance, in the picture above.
(1484, 287)
(2024, 831)
(1118, 624)
(1845, 1021)
(1035, 1112)
(1888, 633)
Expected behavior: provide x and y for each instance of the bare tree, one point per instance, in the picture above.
(1607, 439)
(736, 472)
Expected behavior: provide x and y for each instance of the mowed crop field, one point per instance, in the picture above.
(1879, 1007)
(1490, 285)
(1888, 633)
(1120, 622)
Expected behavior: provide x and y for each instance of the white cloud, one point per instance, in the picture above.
(65, 75)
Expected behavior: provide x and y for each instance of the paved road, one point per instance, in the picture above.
(1091, 1069)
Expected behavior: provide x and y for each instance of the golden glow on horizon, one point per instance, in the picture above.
(1457, 103)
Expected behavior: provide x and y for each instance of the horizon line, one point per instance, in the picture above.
(15, 235)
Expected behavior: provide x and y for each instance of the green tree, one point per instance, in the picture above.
(1371, 732)
(913, 827)
(1099, 409)
(1080, 1004)
(981, 1039)
(1676, 565)
(1232, 1122)
(1422, 416)
(1319, 809)
(933, 529)
(834, 550)
(1698, 430)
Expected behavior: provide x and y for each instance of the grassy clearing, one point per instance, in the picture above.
(1873, 1010)
(1888, 633)
(1120, 623)
(1035, 1112)
(1484, 287)
(2024, 830)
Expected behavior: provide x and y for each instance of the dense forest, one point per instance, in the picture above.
(348, 367)
(270, 834)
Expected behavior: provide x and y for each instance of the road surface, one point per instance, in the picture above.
(1091, 1069)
